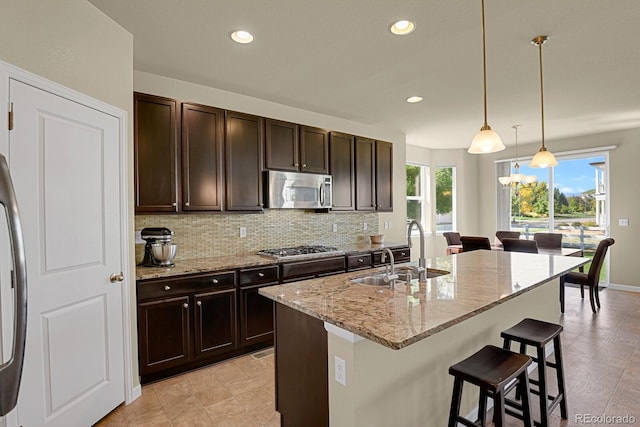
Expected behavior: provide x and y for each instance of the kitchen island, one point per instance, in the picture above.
(397, 345)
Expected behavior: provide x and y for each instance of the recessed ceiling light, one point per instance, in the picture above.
(242, 36)
(414, 99)
(402, 28)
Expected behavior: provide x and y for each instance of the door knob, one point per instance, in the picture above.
(116, 277)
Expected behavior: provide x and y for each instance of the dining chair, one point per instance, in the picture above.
(592, 278)
(452, 237)
(519, 245)
(507, 235)
(472, 243)
(548, 240)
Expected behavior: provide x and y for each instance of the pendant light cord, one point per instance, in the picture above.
(484, 67)
(540, 43)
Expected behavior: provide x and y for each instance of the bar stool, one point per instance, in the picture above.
(538, 334)
(491, 369)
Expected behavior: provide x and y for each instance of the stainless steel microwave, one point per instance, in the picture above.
(293, 190)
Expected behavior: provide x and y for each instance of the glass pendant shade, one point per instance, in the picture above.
(543, 159)
(505, 180)
(486, 141)
(517, 177)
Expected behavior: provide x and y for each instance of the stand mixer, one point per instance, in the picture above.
(158, 251)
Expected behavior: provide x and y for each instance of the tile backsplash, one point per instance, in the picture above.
(210, 235)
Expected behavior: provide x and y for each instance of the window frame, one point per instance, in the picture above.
(424, 198)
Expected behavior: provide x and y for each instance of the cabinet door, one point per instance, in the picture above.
(202, 139)
(243, 151)
(314, 150)
(281, 146)
(365, 174)
(163, 329)
(215, 322)
(384, 176)
(256, 316)
(342, 169)
(156, 154)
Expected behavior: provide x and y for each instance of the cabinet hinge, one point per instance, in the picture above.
(11, 117)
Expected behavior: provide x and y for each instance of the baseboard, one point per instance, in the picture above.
(628, 288)
(136, 392)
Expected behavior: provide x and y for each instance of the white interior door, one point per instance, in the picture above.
(64, 160)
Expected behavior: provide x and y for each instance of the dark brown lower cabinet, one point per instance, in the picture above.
(256, 316)
(302, 372)
(215, 322)
(163, 334)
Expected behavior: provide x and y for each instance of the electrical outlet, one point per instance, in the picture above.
(366, 226)
(243, 231)
(623, 222)
(386, 225)
(341, 371)
(335, 228)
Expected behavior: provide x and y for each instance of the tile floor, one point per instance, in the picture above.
(602, 369)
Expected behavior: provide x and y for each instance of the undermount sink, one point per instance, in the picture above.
(376, 280)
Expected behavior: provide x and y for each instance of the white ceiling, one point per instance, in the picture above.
(338, 57)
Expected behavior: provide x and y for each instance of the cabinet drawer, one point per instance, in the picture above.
(313, 267)
(356, 262)
(161, 288)
(402, 254)
(254, 276)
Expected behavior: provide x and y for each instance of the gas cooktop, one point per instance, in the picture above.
(297, 251)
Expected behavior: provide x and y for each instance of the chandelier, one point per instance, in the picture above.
(516, 178)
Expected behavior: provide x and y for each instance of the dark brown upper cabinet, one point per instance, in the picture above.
(374, 175)
(281, 146)
(202, 158)
(290, 147)
(365, 174)
(384, 176)
(156, 154)
(244, 141)
(314, 150)
(342, 170)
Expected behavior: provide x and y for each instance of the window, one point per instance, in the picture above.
(445, 198)
(418, 205)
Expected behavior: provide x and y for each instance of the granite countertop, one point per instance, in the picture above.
(478, 281)
(213, 264)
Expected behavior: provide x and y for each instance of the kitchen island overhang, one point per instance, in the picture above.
(399, 373)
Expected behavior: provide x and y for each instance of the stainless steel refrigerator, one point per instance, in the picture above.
(11, 367)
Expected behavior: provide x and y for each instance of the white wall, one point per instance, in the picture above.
(624, 176)
(74, 44)
(172, 88)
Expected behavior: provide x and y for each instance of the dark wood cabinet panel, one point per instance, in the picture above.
(215, 322)
(401, 254)
(314, 150)
(384, 176)
(243, 153)
(342, 170)
(256, 316)
(281, 146)
(302, 371)
(156, 154)
(313, 267)
(257, 275)
(365, 174)
(163, 334)
(202, 140)
(358, 262)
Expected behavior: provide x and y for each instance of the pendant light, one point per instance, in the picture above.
(485, 141)
(543, 157)
(516, 177)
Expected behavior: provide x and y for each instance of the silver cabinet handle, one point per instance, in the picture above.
(296, 164)
(167, 287)
(185, 305)
(116, 277)
(186, 204)
(174, 204)
(304, 165)
(214, 281)
(360, 260)
(403, 253)
(260, 274)
(199, 303)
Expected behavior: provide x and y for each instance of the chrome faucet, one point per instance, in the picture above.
(422, 262)
(389, 277)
